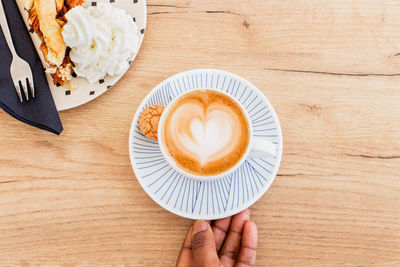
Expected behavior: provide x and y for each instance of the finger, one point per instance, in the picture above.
(247, 254)
(185, 258)
(203, 245)
(231, 246)
(220, 229)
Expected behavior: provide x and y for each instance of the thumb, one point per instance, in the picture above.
(203, 245)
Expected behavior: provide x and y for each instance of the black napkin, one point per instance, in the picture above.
(40, 111)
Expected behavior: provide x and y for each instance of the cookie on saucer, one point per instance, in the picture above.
(148, 121)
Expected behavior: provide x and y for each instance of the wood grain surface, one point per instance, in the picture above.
(332, 71)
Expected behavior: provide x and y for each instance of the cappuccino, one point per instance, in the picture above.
(205, 132)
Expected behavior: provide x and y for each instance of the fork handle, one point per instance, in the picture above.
(6, 29)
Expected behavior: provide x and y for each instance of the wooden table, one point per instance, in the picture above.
(332, 71)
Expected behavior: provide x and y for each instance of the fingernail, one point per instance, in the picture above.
(199, 226)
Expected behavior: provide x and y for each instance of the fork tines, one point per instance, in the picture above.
(25, 90)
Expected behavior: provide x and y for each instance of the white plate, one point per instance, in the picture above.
(207, 200)
(65, 98)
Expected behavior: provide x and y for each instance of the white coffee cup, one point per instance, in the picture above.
(256, 148)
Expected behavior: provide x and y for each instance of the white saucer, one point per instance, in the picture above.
(207, 200)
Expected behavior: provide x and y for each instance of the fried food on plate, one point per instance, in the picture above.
(51, 31)
(47, 17)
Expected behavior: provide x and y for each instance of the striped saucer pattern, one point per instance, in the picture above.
(207, 199)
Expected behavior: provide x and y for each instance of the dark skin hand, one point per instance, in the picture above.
(226, 242)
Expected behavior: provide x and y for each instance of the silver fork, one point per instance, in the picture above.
(20, 70)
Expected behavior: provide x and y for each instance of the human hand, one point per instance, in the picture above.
(226, 242)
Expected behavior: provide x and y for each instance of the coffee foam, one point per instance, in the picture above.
(206, 132)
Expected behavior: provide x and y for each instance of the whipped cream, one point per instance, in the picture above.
(102, 39)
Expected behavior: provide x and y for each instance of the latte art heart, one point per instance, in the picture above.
(205, 132)
(208, 136)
